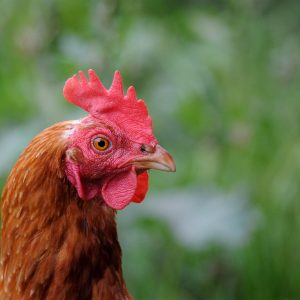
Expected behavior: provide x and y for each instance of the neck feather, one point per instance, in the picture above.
(55, 245)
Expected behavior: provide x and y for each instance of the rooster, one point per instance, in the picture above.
(59, 237)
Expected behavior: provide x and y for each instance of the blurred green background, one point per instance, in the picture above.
(221, 80)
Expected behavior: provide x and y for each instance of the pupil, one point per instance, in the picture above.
(101, 143)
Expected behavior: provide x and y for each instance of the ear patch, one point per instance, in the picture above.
(85, 190)
(75, 155)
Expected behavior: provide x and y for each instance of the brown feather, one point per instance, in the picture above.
(53, 244)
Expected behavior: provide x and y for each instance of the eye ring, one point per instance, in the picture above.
(101, 143)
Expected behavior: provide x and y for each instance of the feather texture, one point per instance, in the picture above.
(59, 237)
(53, 244)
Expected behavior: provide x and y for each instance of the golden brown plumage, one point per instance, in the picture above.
(54, 245)
(59, 238)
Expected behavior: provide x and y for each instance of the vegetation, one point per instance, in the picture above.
(221, 79)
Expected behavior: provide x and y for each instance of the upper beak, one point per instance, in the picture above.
(160, 159)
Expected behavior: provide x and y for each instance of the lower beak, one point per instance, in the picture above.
(158, 160)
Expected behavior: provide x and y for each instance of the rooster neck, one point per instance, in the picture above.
(88, 262)
(55, 245)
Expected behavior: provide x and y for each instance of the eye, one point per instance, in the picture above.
(101, 143)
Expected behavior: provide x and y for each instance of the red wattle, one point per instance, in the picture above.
(118, 190)
(141, 188)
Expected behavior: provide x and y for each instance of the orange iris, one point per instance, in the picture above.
(101, 143)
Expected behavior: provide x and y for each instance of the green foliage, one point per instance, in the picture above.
(221, 79)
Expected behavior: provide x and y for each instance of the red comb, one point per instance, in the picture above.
(91, 95)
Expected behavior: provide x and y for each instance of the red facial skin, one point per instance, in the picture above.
(125, 122)
(108, 173)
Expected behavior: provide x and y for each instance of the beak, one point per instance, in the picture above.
(160, 159)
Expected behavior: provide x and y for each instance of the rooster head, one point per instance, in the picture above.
(111, 150)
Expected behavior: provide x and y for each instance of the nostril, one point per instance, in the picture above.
(147, 148)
